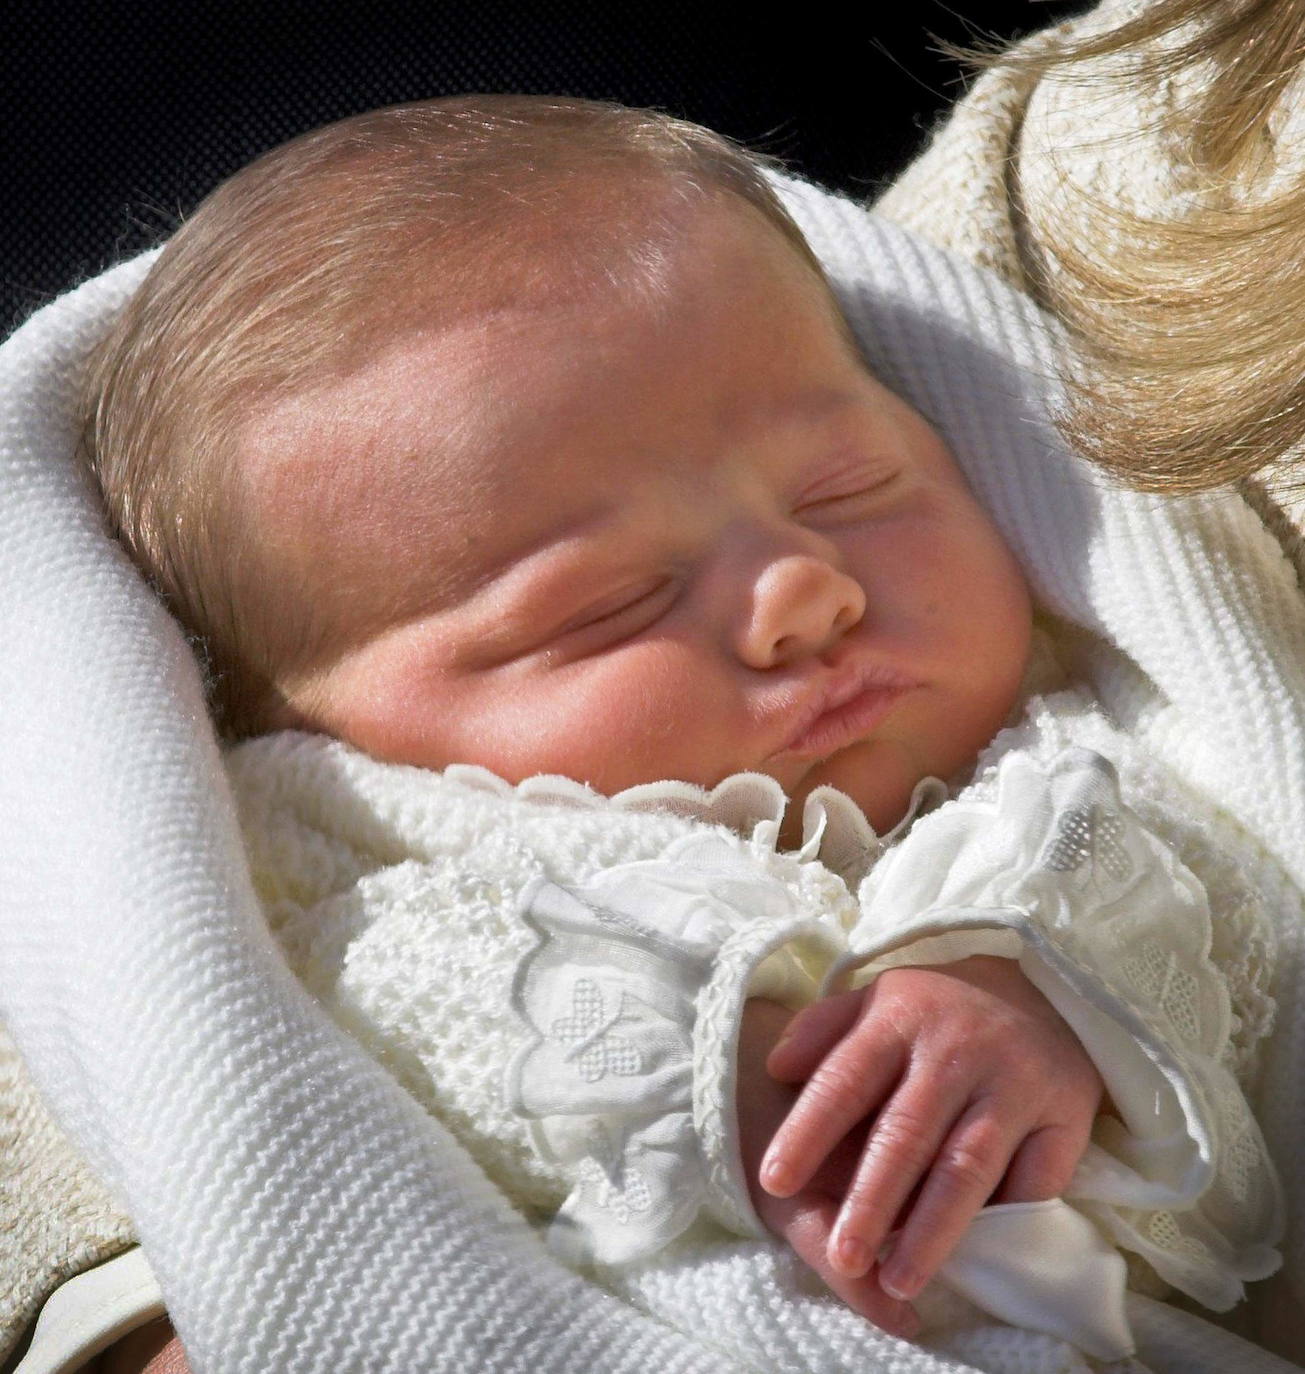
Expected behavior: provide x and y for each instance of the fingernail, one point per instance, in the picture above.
(776, 1177)
(901, 1284)
(852, 1256)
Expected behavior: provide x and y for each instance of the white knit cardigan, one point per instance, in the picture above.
(300, 1212)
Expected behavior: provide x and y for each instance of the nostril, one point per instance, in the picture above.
(845, 619)
(784, 648)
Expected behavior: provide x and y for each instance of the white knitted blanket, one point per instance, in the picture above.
(301, 1213)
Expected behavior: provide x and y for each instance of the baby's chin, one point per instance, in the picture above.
(879, 775)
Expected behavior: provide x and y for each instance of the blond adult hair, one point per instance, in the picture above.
(289, 269)
(1190, 322)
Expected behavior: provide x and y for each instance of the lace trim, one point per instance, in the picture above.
(741, 802)
(835, 831)
(310, 773)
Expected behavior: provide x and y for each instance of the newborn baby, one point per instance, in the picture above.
(529, 434)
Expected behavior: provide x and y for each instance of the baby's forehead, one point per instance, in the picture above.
(414, 458)
(450, 449)
(538, 281)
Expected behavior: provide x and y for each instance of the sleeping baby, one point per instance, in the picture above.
(518, 448)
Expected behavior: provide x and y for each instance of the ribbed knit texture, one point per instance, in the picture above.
(301, 1213)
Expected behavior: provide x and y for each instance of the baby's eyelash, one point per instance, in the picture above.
(627, 614)
(837, 494)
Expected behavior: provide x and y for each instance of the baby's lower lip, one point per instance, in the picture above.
(844, 724)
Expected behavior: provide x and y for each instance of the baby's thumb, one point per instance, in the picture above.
(811, 1034)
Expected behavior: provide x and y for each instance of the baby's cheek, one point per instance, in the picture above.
(639, 714)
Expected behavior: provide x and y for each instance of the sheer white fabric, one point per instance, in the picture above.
(633, 997)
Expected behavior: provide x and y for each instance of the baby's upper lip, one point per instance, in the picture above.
(835, 689)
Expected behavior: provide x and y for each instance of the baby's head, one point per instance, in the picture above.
(528, 433)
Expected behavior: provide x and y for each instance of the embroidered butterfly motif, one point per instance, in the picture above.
(617, 1188)
(1091, 836)
(595, 1050)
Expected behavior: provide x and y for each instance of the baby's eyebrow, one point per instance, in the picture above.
(816, 407)
(466, 577)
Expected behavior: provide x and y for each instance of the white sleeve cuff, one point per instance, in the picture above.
(91, 1311)
(633, 998)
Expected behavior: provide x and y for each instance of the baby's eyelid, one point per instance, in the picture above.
(642, 597)
(849, 488)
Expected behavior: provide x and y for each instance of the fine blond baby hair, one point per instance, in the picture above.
(314, 253)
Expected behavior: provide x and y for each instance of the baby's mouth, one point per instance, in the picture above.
(843, 710)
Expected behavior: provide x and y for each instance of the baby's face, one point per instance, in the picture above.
(626, 542)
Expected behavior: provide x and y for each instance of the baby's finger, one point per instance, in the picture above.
(847, 1085)
(811, 1034)
(900, 1150)
(1044, 1164)
(804, 1222)
(964, 1176)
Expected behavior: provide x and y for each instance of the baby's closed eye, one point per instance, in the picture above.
(614, 618)
(849, 494)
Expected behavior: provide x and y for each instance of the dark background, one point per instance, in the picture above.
(116, 118)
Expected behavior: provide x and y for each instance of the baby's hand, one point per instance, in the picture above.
(978, 1092)
(806, 1219)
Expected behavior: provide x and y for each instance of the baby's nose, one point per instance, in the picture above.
(801, 606)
